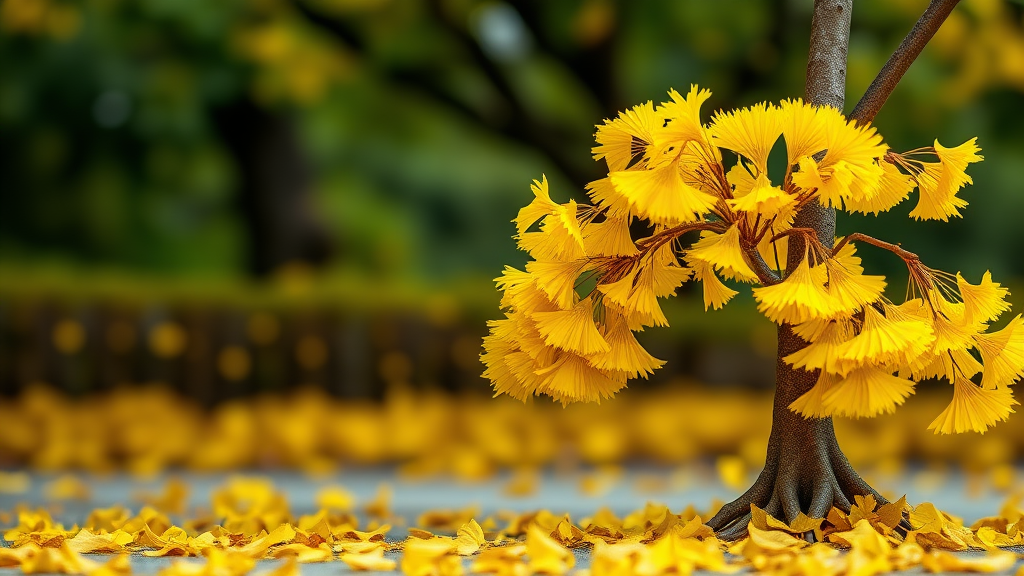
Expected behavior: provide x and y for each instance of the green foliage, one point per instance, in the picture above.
(423, 123)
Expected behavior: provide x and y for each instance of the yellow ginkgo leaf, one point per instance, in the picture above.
(884, 340)
(370, 561)
(802, 129)
(572, 330)
(609, 238)
(724, 253)
(572, 378)
(469, 538)
(539, 207)
(973, 408)
(852, 291)
(624, 140)
(985, 301)
(763, 199)
(811, 404)
(866, 391)
(893, 188)
(435, 557)
(750, 132)
(1002, 353)
(823, 351)
(624, 353)
(546, 555)
(635, 296)
(800, 297)
(660, 194)
(558, 279)
(716, 293)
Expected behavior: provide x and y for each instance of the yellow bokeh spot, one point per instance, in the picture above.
(68, 336)
(234, 363)
(442, 310)
(23, 15)
(263, 328)
(1003, 477)
(15, 482)
(950, 38)
(60, 21)
(311, 352)
(732, 470)
(602, 443)
(168, 339)
(63, 22)
(294, 278)
(594, 22)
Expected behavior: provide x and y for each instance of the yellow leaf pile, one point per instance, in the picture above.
(35, 559)
(251, 521)
(148, 429)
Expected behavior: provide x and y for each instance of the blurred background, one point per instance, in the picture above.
(262, 232)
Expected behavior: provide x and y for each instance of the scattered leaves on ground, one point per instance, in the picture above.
(251, 521)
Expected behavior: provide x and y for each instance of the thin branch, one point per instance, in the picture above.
(894, 248)
(765, 274)
(810, 232)
(809, 235)
(883, 84)
(515, 122)
(676, 231)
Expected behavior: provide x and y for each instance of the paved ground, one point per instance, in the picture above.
(558, 492)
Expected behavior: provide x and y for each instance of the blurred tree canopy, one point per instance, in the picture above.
(397, 139)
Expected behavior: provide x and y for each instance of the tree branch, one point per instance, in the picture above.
(517, 123)
(919, 273)
(766, 275)
(883, 84)
(894, 248)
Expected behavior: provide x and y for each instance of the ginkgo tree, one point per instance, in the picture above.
(713, 211)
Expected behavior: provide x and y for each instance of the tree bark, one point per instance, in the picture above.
(808, 443)
(805, 471)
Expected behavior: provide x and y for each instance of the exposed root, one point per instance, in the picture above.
(804, 471)
(811, 479)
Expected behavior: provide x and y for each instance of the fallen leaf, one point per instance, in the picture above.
(373, 560)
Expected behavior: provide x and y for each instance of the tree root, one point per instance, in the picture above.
(804, 471)
(796, 482)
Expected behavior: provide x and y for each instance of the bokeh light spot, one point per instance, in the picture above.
(263, 328)
(168, 340)
(311, 352)
(501, 32)
(68, 336)
(234, 363)
(112, 108)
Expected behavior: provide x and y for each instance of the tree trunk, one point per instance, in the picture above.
(274, 188)
(805, 471)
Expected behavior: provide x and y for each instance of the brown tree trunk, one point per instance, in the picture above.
(805, 471)
(274, 181)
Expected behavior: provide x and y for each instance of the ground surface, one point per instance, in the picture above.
(952, 491)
